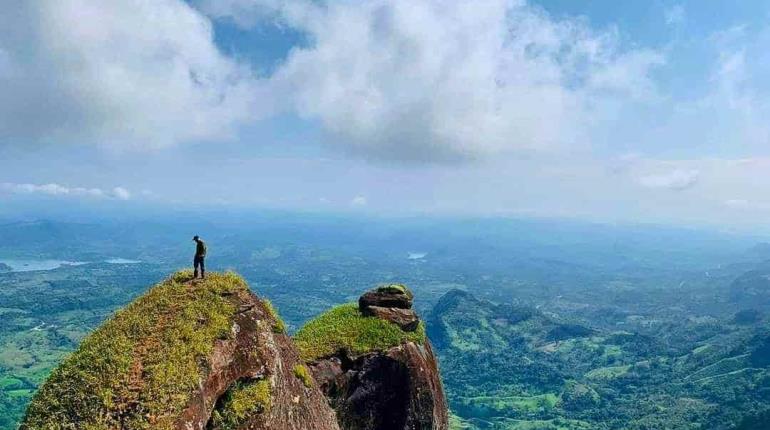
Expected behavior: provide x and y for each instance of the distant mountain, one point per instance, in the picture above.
(760, 251)
(752, 289)
(518, 367)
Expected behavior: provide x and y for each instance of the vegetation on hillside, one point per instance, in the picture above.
(396, 288)
(149, 355)
(344, 328)
(503, 368)
(241, 402)
(664, 301)
(303, 374)
(279, 326)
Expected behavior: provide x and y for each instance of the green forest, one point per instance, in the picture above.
(537, 326)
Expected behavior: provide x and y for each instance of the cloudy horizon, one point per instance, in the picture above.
(653, 113)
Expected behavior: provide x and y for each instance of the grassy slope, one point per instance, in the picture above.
(344, 328)
(149, 355)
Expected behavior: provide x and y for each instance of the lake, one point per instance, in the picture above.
(23, 265)
(33, 265)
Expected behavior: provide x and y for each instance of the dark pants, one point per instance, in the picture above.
(198, 261)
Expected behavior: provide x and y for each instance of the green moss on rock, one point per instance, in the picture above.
(301, 371)
(279, 326)
(345, 328)
(396, 288)
(240, 403)
(139, 369)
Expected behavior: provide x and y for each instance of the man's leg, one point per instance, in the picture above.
(196, 263)
(203, 267)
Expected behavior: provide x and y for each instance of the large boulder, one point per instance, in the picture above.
(188, 355)
(387, 296)
(406, 319)
(375, 364)
(396, 389)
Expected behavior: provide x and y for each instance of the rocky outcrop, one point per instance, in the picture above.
(406, 319)
(387, 296)
(189, 355)
(210, 355)
(385, 389)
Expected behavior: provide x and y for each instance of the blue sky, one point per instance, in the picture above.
(604, 110)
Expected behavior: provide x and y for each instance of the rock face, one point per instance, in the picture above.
(388, 296)
(406, 319)
(210, 355)
(393, 389)
(189, 355)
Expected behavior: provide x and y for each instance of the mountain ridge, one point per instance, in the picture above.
(195, 354)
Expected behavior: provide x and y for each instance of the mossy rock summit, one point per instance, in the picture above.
(375, 364)
(188, 354)
(387, 296)
(345, 329)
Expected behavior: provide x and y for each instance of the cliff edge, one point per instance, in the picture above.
(375, 364)
(189, 354)
(209, 354)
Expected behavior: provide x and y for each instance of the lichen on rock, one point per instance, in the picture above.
(188, 354)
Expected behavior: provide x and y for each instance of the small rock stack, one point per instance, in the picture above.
(391, 303)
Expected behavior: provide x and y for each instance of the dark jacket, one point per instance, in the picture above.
(200, 249)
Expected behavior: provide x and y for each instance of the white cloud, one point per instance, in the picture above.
(359, 201)
(122, 74)
(54, 189)
(121, 193)
(674, 15)
(446, 80)
(738, 203)
(678, 179)
(747, 205)
(245, 13)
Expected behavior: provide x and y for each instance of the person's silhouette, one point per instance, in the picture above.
(200, 256)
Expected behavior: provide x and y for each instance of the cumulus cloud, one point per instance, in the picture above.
(437, 80)
(121, 193)
(127, 73)
(737, 203)
(431, 80)
(677, 179)
(747, 205)
(358, 201)
(674, 15)
(54, 189)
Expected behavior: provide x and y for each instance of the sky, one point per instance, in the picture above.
(643, 111)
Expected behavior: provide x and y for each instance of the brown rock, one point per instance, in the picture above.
(407, 319)
(398, 389)
(259, 352)
(389, 296)
(253, 352)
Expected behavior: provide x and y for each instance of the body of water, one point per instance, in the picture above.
(23, 265)
(121, 261)
(33, 265)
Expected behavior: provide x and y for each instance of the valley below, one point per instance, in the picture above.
(536, 325)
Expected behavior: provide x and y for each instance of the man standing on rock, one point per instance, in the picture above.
(200, 256)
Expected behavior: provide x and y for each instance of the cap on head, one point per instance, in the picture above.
(195, 238)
